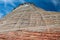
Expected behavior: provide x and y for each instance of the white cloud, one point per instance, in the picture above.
(1, 15)
(22, 1)
(8, 1)
(55, 2)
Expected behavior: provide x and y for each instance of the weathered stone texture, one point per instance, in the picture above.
(29, 17)
(28, 22)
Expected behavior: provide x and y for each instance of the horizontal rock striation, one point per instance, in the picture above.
(28, 17)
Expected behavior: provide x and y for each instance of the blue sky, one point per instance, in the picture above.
(6, 6)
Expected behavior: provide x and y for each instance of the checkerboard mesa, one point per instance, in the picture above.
(29, 17)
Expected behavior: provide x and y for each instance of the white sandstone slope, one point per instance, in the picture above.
(28, 17)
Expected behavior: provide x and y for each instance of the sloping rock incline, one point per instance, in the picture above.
(28, 17)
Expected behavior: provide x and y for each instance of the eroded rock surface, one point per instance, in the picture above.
(28, 17)
(28, 35)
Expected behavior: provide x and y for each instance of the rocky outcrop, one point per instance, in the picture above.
(28, 35)
(28, 17)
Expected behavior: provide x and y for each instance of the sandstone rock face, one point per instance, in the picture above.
(28, 17)
(28, 22)
(28, 35)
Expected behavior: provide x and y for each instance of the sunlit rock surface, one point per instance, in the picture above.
(29, 35)
(28, 22)
(28, 17)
